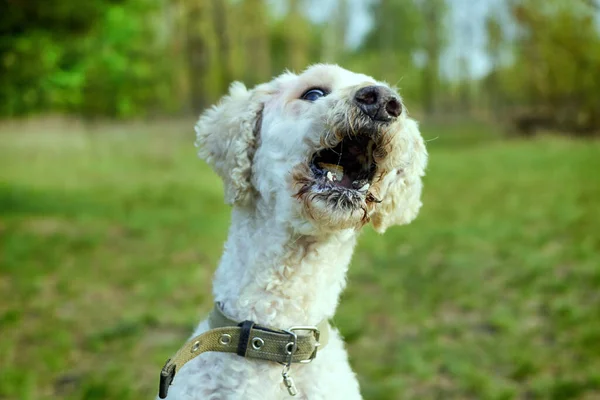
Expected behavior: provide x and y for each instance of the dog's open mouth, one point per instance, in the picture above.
(349, 165)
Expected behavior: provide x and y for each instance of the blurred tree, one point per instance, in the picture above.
(297, 34)
(124, 74)
(100, 57)
(174, 34)
(334, 37)
(255, 28)
(394, 36)
(405, 44)
(295, 41)
(224, 26)
(434, 33)
(495, 42)
(464, 85)
(201, 51)
(126, 58)
(37, 69)
(557, 62)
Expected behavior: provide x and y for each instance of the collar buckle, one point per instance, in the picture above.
(291, 348)
(309, 328)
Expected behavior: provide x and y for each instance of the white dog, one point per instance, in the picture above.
(306, 161)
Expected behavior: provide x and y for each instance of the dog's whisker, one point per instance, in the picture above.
(349, 120)
(340, 153)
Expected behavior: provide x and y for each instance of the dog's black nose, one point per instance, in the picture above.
(379, 103)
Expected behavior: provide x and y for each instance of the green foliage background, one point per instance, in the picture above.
(110, 230)
(109, 238)
(132, 58)
(96, 58)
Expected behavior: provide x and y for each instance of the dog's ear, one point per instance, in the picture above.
(226, 135)
(402, 199)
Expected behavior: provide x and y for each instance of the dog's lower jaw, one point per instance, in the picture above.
(274, 276)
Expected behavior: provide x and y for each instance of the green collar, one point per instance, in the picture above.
(247, 339)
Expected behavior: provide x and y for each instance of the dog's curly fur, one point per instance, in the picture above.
(291, 240)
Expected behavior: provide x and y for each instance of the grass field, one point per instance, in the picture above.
(109, 238)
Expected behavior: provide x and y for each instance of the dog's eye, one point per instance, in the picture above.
(313, 94)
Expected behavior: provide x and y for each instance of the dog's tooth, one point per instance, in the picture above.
(358, 183)
(364, 188)
(334, 172)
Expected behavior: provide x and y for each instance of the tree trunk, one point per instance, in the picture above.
(198, 51)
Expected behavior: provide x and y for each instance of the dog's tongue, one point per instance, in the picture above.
(345, 181)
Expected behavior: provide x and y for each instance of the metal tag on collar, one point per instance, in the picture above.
(291, 349)
(289, 383)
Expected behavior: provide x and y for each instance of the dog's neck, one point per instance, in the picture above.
(277, 278)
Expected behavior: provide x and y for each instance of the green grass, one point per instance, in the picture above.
(108, 240)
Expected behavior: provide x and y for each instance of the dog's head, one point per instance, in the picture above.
(327, 150)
